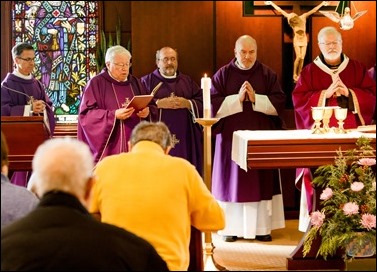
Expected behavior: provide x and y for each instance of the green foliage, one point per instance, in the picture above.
(348, 201)
(105, 43)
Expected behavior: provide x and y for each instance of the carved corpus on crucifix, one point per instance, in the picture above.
(298, 24)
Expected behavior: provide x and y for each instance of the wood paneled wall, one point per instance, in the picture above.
(185, 25)
(204, 32)
(267, 30)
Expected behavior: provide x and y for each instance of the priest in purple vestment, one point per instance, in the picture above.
(246, 95)
(179, 101)
(23, 95)
(104, 122)
(332, 79)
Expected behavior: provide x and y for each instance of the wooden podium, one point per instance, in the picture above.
(24, 134)
(295, 149)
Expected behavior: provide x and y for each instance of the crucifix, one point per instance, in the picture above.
(298, 25)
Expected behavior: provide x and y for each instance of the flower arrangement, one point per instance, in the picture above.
(348, 201)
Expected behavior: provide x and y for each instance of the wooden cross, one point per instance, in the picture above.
(297, 7)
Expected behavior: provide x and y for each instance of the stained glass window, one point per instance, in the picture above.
(64, 35)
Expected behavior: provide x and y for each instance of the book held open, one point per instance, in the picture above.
(139, 102)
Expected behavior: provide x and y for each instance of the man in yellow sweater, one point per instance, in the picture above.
(154, 195)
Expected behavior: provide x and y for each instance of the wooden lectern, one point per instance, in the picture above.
(24, 134)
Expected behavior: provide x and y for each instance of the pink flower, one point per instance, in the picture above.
(367, 161)
(326, 194)
(368, 221)
(317, 218)
(357, 186)
(350, 208)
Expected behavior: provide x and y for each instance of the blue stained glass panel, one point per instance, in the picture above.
(64, 35)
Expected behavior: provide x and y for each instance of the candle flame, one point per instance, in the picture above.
(205, 75)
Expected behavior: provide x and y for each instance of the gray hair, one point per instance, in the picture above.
(158, 52)
(328, 30)
(156, 132)
(63, 164)
(19, 48)
(116, 50)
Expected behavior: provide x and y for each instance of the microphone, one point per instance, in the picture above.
(31, 98)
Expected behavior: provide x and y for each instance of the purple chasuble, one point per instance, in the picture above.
(13, 104)
(188, 135)
(97, 125)
(230, 183)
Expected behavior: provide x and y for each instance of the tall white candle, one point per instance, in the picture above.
(206, 86)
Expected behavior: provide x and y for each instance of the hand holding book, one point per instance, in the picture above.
(139, 102)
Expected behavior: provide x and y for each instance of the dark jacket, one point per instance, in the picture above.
(60, 234)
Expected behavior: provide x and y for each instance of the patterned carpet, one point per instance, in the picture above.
(253, 255)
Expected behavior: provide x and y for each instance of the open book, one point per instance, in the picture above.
(139, 102)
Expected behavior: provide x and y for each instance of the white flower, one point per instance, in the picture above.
(357, 186)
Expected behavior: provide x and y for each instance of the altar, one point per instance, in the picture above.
(290, 148)
(263, 149)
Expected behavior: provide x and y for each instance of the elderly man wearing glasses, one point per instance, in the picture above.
(104, 122)
(332, 79)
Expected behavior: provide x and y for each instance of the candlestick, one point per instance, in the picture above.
(206, 86)
(209, 262)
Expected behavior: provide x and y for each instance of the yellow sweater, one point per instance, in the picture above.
(157, 197)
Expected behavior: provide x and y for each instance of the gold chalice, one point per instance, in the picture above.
(341, 115)
(327, 113)
(317, 114)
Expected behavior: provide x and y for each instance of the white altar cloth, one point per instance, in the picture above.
(241, 138)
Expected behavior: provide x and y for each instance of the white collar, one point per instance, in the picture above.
(173, 76)
(334, 73)
(18, 74)
(239, 66)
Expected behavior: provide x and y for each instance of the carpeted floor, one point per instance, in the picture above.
(253, 255)
(249, 255)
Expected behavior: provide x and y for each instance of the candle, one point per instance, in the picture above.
(206, 86)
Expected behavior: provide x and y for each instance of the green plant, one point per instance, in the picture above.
(105, 43)
(348, 201)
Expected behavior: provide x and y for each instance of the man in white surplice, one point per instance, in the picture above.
(246, 95)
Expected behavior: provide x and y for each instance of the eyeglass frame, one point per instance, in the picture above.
(26, 59)
(166, 59)
(122, 65)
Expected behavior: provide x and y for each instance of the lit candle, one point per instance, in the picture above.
(206, 86)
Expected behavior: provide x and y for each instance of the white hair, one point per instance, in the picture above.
(328, 30)
(63, 164)
(116, 50)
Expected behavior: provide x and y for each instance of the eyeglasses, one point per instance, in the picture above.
(122, 65)
(335, 43)
(165, 60)
(27, 59)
